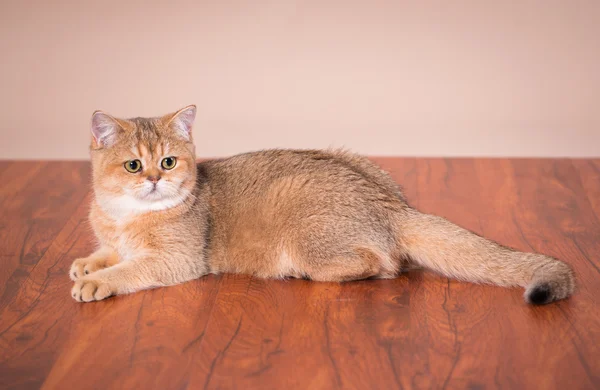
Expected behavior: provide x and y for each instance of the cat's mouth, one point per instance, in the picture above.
(153, 193)
(156, 192)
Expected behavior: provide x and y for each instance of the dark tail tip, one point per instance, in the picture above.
(550, 283)
(539, 294)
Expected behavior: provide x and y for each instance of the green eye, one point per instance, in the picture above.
(168, 162)
(133, 166)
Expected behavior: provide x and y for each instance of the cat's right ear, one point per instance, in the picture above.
(104, 129)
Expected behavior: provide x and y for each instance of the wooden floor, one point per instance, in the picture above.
(418, 331)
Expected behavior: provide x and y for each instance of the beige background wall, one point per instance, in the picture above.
(497, 78)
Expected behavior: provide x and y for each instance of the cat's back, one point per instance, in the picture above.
(327, 170)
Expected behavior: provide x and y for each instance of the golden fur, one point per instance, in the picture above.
(320, 215)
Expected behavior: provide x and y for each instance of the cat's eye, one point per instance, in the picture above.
(168, 162)
(133, 166)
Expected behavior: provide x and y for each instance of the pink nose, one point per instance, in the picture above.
(154, 179)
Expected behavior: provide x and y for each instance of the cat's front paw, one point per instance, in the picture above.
(85, 266)
(88, 290)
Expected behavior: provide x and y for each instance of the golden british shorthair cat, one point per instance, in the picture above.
(330, 216)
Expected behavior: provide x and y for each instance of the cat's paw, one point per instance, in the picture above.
(85, 266)
(88, 290)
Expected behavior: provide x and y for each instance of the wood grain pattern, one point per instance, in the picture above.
(419, 331)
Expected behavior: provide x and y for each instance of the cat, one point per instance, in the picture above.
(162, 219)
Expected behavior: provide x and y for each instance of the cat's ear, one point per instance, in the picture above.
(181, 122)
(104, 128)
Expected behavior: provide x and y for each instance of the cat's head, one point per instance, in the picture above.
(142, 164)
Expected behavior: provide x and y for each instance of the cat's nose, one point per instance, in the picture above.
(154, 179)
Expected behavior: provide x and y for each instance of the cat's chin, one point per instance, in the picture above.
(124, 205)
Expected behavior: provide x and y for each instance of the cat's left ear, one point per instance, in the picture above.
(181, 122)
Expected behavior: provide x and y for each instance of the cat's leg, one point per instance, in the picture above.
(135, 275)
(104, 257)
(363, 263)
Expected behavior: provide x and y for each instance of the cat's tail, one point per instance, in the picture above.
(439, 245)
